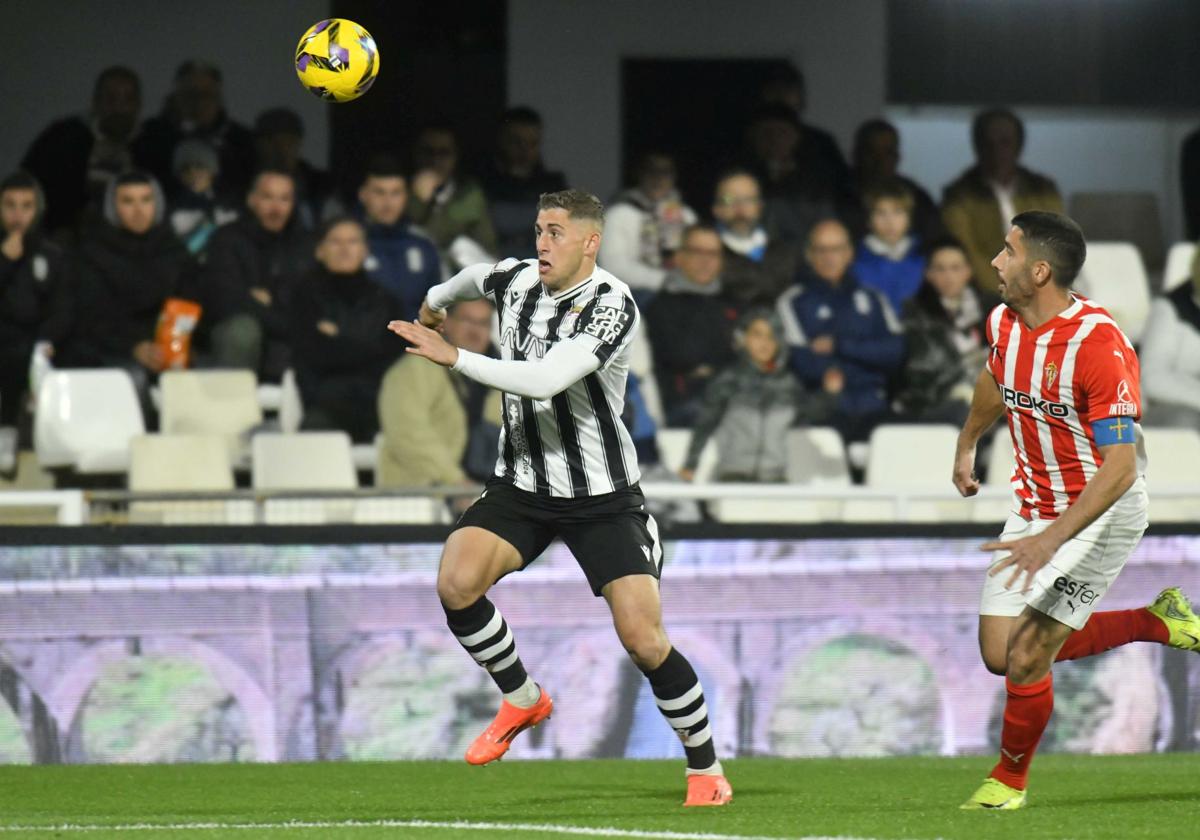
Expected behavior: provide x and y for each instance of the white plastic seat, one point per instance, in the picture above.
(1173, 463)
(1115, 277)
(86, 419)
(672, 451)
(302, 461)
(220, 402)
(906, 457)
(177, 463)
(1179, 265)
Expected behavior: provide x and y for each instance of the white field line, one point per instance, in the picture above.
(303, 825)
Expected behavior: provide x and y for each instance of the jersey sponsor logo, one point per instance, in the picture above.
(1124, 406)
(1075, 589)
(606, 324)
(517, 436)
(527, 344)
(1051, 374)
(1019, 399)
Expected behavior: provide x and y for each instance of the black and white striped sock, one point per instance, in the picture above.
(680, 698)
(484, 633)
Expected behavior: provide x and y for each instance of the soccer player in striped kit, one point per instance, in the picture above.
(566, 468)
(1067, 377)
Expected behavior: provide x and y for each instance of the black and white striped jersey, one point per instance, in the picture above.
(573, 443)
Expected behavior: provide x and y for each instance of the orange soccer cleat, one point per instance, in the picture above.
(707, 790)
(509, 722)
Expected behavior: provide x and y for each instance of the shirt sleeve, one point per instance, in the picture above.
(472, 283)
(565, 364)
(1108, 378)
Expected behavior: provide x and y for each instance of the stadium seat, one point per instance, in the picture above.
(1179, 265)
(1173, 463)
(672, 450)
(999, 473)
(906, 457)
(220, 402)
(1115, 278)
(176, 463)
(302, 461)
(85, 419)
(1122, 217)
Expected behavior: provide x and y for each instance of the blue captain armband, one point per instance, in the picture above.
(1112, 430)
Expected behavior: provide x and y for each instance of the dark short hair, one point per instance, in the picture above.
(329, 224)
(19, 180)
(1055, 238)
(869, 129)
(278, 121)
(521, 115)
(983, 119)
(196, 65)
(698, 227)
(734, 172)
(116, 71)
(888, 189)
(945, 242)
(134, 176)
(383, 165)
(578, 204)
(773, 112)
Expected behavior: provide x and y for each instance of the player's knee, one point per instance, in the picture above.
(647, 646)
(458, 587)
(997, 665)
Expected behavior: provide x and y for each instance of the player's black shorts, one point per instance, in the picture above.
(611, 535)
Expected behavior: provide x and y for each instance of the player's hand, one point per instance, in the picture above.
(425, 183)
(14, 245)
(327, 327)
(687, 475)
(149, 355)
(261, 295)
(822, 345)
(833, 381)
(432, 318)
(1026, 556)
(425, 343)
(963, 476)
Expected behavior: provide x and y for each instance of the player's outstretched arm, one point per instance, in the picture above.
(1116, 475)
(986, 408)
(466, 285)
(565, 364)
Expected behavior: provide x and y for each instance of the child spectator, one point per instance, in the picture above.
(888, 257)
(751, 404)
(196, 210)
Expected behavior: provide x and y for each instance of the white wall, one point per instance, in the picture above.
(564, 60)
(1082, 149)
(58, 46)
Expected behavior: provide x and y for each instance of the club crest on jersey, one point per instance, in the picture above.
(1051, 374)
(1019, 399)
(568, 321)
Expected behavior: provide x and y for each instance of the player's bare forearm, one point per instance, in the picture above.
(986, 408)
(1116, 475)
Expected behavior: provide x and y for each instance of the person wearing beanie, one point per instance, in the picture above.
(197, 210)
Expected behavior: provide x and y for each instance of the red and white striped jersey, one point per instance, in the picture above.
(1062, 384)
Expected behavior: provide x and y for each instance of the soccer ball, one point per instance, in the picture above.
(337, 60)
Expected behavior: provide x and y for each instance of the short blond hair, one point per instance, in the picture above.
(577, 203)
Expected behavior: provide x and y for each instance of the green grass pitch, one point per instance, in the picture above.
(1070, 797)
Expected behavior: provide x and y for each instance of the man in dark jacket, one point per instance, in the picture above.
(758, 266)
(34, 290)
(75, 158)
(251, 263)
(126, 267)
(340, 345)
(690, 325)
(844, 338)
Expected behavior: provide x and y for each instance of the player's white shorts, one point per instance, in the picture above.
(1069, 587)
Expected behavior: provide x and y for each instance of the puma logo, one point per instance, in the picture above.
(1015, 759)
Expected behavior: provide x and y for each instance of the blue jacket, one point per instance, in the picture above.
(897, 279)
(404, 262)
(868, 339)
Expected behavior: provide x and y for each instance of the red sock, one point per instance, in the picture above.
(1025, 717)
(1107, 630)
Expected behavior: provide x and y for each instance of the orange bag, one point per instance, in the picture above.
(176, 323)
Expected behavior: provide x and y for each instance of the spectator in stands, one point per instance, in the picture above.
(757, 267)
(515, 179)
(447, 203)
(403, 261)
(278, 138)
(877, 158)
(643, 227)
(843, 337)
(750, 405)
(817, 151)
(978, 207)
(1189, 177)
(889, 257)
(439, 427)
(795, 197)
(251, 265)
(196, 108)
(197, 210)
(339, 346)
(690, 326)
(126, 267)
(947, 345)
(1171, 356)
(35, 307)
(75, 158)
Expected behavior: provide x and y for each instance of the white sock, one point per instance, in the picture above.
(525, 696)
(714, 770)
